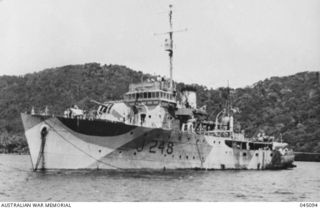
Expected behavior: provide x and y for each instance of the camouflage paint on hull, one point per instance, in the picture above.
(90, 144)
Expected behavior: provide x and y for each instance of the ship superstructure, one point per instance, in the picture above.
(149, 129)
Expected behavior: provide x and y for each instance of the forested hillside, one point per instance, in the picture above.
(280, 105)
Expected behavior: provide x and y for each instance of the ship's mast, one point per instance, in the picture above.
(169, 44)
(170, 49)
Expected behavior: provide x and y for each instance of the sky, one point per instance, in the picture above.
(235, 41)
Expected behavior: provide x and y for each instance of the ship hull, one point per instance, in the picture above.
(94, 144)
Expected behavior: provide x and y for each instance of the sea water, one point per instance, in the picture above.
(19, 183)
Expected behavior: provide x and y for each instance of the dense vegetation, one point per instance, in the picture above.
(289, 106)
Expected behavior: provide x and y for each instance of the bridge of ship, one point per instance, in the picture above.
(150, 93)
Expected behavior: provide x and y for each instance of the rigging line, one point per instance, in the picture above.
(79, 148)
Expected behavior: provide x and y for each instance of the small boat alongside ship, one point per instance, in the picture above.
(152, 127)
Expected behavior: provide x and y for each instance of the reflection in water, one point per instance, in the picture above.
(19, 183)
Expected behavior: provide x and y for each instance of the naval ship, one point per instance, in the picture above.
(152, 127)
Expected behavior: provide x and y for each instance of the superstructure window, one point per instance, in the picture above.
(157, 94)
(149, 94)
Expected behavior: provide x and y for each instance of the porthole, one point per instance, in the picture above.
(180, 156)
(219, 142)
(131, 132)
(120, 152)
(271, 155)
(99, 150)
(187, 157)
(134, 153)
(257, 154)
(214, 142)
(244, 154)
(194, 157)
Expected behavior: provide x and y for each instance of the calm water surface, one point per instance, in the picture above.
(19, 183)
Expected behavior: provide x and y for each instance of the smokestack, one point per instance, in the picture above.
(189, 97)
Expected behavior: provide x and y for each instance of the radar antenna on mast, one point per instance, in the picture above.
(169, 44)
